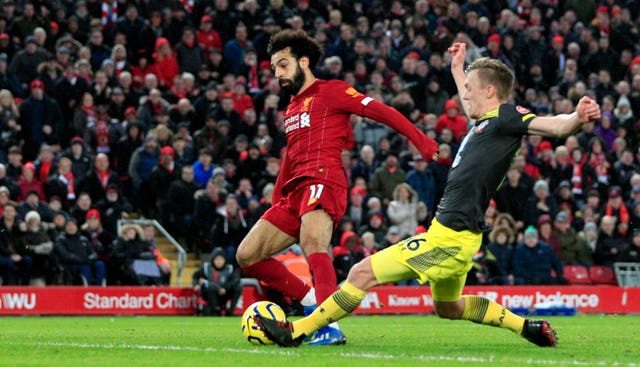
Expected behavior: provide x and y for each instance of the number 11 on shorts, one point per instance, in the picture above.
(314, 195)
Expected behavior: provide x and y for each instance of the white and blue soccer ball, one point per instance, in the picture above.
(250, 330)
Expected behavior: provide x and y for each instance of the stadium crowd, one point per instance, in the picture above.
(169, 110)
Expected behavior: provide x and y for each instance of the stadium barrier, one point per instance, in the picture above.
(56, 300)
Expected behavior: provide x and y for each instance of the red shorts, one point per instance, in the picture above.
(309, 195)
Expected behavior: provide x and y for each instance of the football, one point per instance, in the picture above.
(251, 332)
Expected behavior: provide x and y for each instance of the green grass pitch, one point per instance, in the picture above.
(372, 341)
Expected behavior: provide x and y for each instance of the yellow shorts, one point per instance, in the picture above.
(440, 256)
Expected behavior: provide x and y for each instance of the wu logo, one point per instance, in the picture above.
(18, 301)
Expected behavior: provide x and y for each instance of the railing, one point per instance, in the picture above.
(628, 274)
(182, 254)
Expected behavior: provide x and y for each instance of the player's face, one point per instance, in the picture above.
(288, 71)
(474, 95)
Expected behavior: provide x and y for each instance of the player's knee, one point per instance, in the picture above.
(361, 276)
(244, 256)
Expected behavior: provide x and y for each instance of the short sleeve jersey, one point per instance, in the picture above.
(480, 165)
(316, 125)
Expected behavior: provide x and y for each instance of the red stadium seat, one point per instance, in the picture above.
(602, 275)
(577, 274)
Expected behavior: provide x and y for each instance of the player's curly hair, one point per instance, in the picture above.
(496, 73)
(299, 43)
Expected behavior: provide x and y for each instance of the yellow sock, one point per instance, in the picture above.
(341, 303)
(484, 311)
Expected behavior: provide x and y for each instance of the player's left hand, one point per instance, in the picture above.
(434, 157)
(588, 110)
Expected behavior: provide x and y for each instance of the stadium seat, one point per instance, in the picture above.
(577, 274)
(602, 275)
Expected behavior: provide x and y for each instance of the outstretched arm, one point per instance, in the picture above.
(566, 124)
(346, 99)
(458, 52)
(391, 117)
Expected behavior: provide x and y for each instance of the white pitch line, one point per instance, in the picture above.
(291, 352)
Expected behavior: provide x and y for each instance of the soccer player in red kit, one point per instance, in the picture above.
(310, 195)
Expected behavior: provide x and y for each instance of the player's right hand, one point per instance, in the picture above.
(458, 52)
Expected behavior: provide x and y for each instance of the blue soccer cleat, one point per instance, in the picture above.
(329, 335)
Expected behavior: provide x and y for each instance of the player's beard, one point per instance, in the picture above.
(293, 86)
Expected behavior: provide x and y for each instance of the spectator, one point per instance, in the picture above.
(366, 164)
(219, 285)
(77, 255)
(386, 178)
(143, 160)
(181, 198)
(161, 177)
(38, 245)
(348, 253)
(69, 90)
(404, 209)
(41, 120)
(453, 120)
(113, 207)
(149, 235)
(8, 80)
(512, 197)
(135, 31)
(251, 165)
(235, 49)
(81, 164)
(565, 197)
(572, 248)
(125, 148)
(207, 35)
(369, 244)
(25, 63)
(392, 237)
(356, 210)
(422, 179)
(615, 207)
(632, 253)
(101, 177)
(189, 52)
(624, 168)
(499, 256)
(82, 206)
(15, 264)
(533, 261)
(101, 241)
(62, 183)
(540, 203)
(28, 182)
(610, 244)
(134, 258)
(230, 227)
(207, 201)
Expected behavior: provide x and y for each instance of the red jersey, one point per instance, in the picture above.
(317, 128)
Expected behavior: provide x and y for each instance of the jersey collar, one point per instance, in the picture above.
(491, 114)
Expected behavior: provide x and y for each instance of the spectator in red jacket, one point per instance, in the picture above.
(29, 182)
(166, 63)
(453, 120)
(207, 36)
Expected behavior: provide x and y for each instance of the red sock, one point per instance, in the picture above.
(324, 277)
(278, 277)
